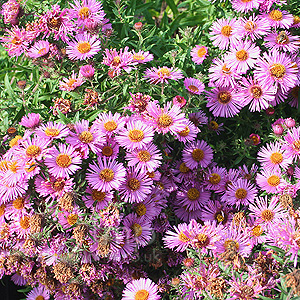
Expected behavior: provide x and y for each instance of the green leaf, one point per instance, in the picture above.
(173, 6)
(8, 87)
(63, 118)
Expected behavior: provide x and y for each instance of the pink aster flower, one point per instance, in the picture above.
(256, 93)
(142, 57)
(110, 149)
(279, 18)
(85, 138)
(21, 225)
(243, 6)
(162, 74)
(63, 162)
(139, 228)
(96, 198)
(198, 54)
(39, 49)
(269, 181)
(272, 157)
(136, 186)
(10, 190)
(282, 41)
(71, 83)
(10, 12)
(69, 218)
(146, 159)
(166, 119)
(253, 27)
(31, 121)
(83, 46)
(143, 288)
(223, 33)
(179, 100)
(292, 143)
(52, 130)
(197, 154)
(194, 86)
(189, 133)
(106, 175)
(242, 56)
(224, 102)
(240, 192)
(39, 292)
(136, 135)
(87, 71)
(222, 75)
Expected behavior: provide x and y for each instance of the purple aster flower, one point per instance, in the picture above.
(96, 198)
(52, 130)
(217, 212)
(71, 83)
(189, 133)
(39, 292)
(162, 74)
(245, 6)
(282, 41)
(194, 86)
(87, 71)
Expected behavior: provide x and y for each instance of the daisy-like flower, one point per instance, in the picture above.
(18, 207)
(96, 198)
(162, 74)
(71, 83)
(258, 94)
(106, 175)
(197, 154)
(63, 162)
(222, 75)
(282, 41)
(85, 137)
(242, 56)
(292, 145)
(272, 157)
(179, 100)
(198, 54)
(109, 124)
(267, 214)
(146, 209)
(39, 49)
(52, 130)
(142, 57)
(178, 240)
(269, 181)
(193, 197)
(87, 71)
(136, 187)
(68, 219)
(198, 118)
(110, 148)
(10, 12)
(224, 102)
(40, 293)
(240, 192)
(216, 179)
(189, 133)
(146, 159)
(194, 86)
(21, 225)
(253, 27)
(136, 135)
(166, 119)
(223, 33)
(31, 121)
(86, 11)
(141, 289)
(83, 46)
(139, 228)
(213, 125)
(279, 18)
(296, 22)
(11, 190)
(217, 212)
(245, 6)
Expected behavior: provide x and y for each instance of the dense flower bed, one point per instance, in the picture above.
(146, 156)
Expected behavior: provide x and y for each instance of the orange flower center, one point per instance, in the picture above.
(224, 97)
(213, 125)
(214, 178)
(165, 121)
(231, 243)
(256, 91)
(183, 168)
(296, 145)
(51, 132)
(40, 297)
(71, 82)
(226, 30)
(277, 70)
(141, 209)
(250, 26)
(273, 180)
(19, 203)
(163, 72)
(63, 160)
(202, 240)
(144, 155)
(257, 230)
(107, 175)
(2, 209)
(24, 222)
(136, 229)
(84, 12)
(134, 184)
(267, 215)
(242, 55)
(58, 185)
(138, 57)
(201, 52)
(98, 196)
(136, 135)
(33, 151)
(141, 295)
(193, 194)
(72, 219)
(276, 158)
(84, 47)
(241, 194)
(276, 15)
(193, 88)
(42, 51)
(197, 154)
(107, 151)
(225, 69)
(296, 20)
(110, 125)
(183, 238)
(184, 132)
(86, 137)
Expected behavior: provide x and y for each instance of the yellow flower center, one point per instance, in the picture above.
(256, 91)
(276, 158)
(13, 166)
(71, 82)
(110, 125)
(116, 60)
(24, 222)
(58, 185)
(136, 229)
(225, 70)
(40, 297)
(14, 141)
(2, 209)
(63, 160)
(72, 219)
(143, 155)
(276, 15)
(42, 51)
(202, 240)
(231, 243)
(296, 20)
(84, 47)
(183, 238)
(86, 137)
(273, 180)
(241, 193)
(267, 215)
(165, 121)
(193, 88)
(84, 12)
(213, 125)
(33, 151)
(138, 57)
(219, 217)
(140, 209)
(19, 203)
(214, 178)
(257, 230)
(136, 135)
(224, 97)
(201, 52)
(163, 72)
(183, 168)
(184, 132)
(250, 26)
(197, 155)
(242, 55)
(226, 30)
(277, 70)
(107, 151)
(51, 132)
(296, 145)
(193, 194)
(134, 184)
(107, 175)
(98, 196)
(141, 295)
